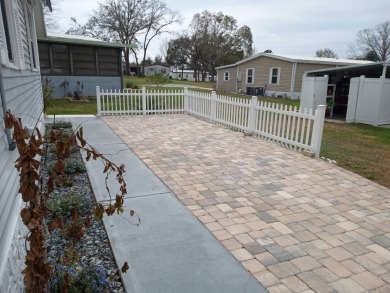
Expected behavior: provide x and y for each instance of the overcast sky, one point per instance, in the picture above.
(291, 27)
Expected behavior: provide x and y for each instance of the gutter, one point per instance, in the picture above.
(11, 143)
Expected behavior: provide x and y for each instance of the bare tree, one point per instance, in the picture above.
(326, 53)
(51, 15)
(158, 18)
(372, 42)
(129, 22)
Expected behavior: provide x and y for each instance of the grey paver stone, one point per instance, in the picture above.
(315, 283)
(278, 252)
(254, 248)
(283, 269)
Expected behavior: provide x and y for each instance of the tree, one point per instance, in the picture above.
(326, 53)
(158, 17)
(370, 42)
(128, 22)
(213, 39)
(52, 14)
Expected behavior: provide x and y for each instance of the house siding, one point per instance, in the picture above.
(227, 85)
(22, 94)
(302, 68)
(262, 66)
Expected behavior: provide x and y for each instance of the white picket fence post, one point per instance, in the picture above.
(318, 128)
(144, 101)
(252, 114)
(99, 106)
(185, 98)
(213, 108)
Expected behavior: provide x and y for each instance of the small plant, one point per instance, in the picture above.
(78, 92)
(61, 124)
(47, 92)
(77, 279)
(72, 167)
(65, 85)
(157, 79)
(65, 205)
(130, 85)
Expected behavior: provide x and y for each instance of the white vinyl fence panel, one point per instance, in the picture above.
(299, 129)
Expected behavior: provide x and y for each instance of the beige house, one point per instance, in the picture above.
(273, 75)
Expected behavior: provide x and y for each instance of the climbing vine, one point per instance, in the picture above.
(35, 194)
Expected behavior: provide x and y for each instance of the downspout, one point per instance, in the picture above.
(293, 75)
(11, 143)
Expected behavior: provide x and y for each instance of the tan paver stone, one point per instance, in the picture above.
(214, 226)
(224, 207)
(226, 222)
(377, 258)
(257, 225)
(368, 280)
(237, 229)
(348, 225)
(253, 265)
(222, 235)
(336, 267)
(353, 266)
(243, 238)
(347, 285)
(266, 278)
(206, 219)
(241, 254)
(199, 212)
(306, 263)
(295, 284)
(339, 253)
(280, 288)
(380, 250)
(231, 244)
(285, 240)
(283, 229)
(315, 283)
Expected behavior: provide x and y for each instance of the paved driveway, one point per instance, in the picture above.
(297, 224)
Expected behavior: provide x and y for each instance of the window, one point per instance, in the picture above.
(250, 73)
(163, 71)
(226, 76)
(6, 34)
(274, 75)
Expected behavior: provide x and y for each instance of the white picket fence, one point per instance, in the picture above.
(299, 129)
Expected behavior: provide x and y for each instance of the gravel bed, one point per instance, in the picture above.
(94, 247)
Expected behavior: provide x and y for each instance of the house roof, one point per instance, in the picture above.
(373, 70)
(81, 40)
(290, 58)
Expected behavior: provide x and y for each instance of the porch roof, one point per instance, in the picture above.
(81, 40)
(373, 70)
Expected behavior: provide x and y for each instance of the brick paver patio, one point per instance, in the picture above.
(297, 224)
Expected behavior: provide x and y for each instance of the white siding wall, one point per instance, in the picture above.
(23, 96)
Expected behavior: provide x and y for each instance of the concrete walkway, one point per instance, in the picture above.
(297, 224)
(170, 251)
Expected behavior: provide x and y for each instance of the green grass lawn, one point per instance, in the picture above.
(359, 148)
(362, 149)
(67, 107)
(142, 81)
